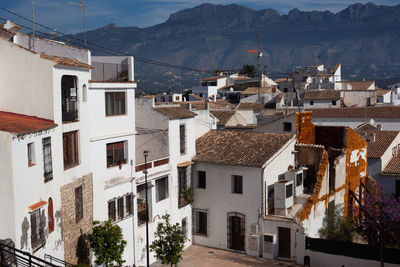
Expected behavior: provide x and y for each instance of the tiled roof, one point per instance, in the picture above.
(242, 127)
(358, 85)
(176, 112)
(213, 78)
(335, 68)
(322, 95)
(383, 139)
(221, 104)
(357, 112)
(255, 90)
(223, 116)
(365, 127)
(66, 61)
(251, 106)
(392, 168)
(199, 105)
(196, 97)
(382, 92)
(240, 148)
(22, 124)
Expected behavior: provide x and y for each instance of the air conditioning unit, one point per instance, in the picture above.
(269, 243)
(283, 196)
(254, 245)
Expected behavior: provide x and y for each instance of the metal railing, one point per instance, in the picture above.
(12, 257)
(52, 259)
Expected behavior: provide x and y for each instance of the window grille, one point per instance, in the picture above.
(200, 222)
(37, 234)
(47, 159)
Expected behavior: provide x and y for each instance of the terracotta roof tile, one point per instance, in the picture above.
(176, 112)
(357, 112)
(221, 104)
(392, 168)
(223, 116)
(383, 139)
(322, 95)
(382, 92)
(358, 85)
(240, 148)
(22, 124)
(213, 78)
(254, 90)
(251, 106)
(66, 61)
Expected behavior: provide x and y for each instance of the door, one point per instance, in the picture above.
(236, 232)
(284, 242)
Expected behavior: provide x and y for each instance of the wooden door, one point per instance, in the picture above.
(284, 242)
(237, 232)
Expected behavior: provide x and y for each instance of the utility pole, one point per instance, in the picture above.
(82, 7)
(259, 55)
(145, 154)
(33, 25)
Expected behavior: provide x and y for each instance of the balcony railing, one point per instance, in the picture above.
(70, 115)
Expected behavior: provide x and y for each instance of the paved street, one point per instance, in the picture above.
(198, 256)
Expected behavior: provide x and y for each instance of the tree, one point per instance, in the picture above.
(335, 227)
(248, 70)
(378, 220)
(107, 243)
(169, 242)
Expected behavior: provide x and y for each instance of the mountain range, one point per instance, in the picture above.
(364, 38)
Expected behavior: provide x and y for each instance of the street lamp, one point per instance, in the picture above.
(145, 154)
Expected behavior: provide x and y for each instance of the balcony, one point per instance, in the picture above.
(68, 116)
(111, 72)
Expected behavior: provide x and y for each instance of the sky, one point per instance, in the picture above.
(65, 17)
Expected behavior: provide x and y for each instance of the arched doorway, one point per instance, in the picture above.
(236, 230)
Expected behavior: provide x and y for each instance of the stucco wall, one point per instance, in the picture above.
(321, 104)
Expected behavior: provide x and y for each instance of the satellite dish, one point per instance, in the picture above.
(372, 121)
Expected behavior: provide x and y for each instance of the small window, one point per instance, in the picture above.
(50, 215)
(311, 102)
(161, 189)
(120, 206)
(287, 126)
(182, 138)
(111, 210)
(289, 190)
(129, 204)
(78, 203)
(201, 179)
(285, 90)
(334, 102)
(115, 103)
(184, 227)
(70, 149)
(47, 159)
(200, 222)
(237, 184)
(31, 154)
(116, 154)
(299, 179)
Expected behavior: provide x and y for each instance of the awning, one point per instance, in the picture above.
(185, 164)
(37, 205)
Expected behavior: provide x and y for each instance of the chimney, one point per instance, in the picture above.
(379, 127)
(372, 137)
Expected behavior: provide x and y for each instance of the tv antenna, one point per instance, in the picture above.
(259, 55)
(82, 7)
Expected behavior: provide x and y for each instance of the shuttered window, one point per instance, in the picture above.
(120, 206)
(50, 215)
(70, 149)
(115, 103)
(111, 210)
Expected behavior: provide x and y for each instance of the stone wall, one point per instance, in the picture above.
(73, 230)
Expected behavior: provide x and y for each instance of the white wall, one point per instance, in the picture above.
(321, 104)
(25, 90)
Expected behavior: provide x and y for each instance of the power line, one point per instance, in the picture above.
(108, 50)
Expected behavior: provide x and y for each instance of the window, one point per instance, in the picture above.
(47, 160)
(31, 154)
(129, 204)
(200, 222)
(311, 102)
(69, 105)
(299, 179)
(184, 226)
(237, 184)
(116, 154)
(78, 203)
(182, 187)
(285, 90)
(120, 206)
(141, 202)
(287, 126)
(115, 103)
(70, 148)
(37, 233)
(111, 210)
(50, 215)
(161, 189)
(289, 190)
(182, 138)
(84, 93)
(334, 102)
(201, 183)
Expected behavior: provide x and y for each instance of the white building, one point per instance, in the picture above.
(231, 176)
(322, 99)
(168, 133)
(55, 93)
(209, 86)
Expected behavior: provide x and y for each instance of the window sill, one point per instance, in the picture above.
(31, 164)
(117, 165)
(71, 166)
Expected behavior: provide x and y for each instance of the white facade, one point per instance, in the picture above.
(324, 103)
(209, 87)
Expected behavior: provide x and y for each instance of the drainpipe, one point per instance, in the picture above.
(261, 214)
(133, 216)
